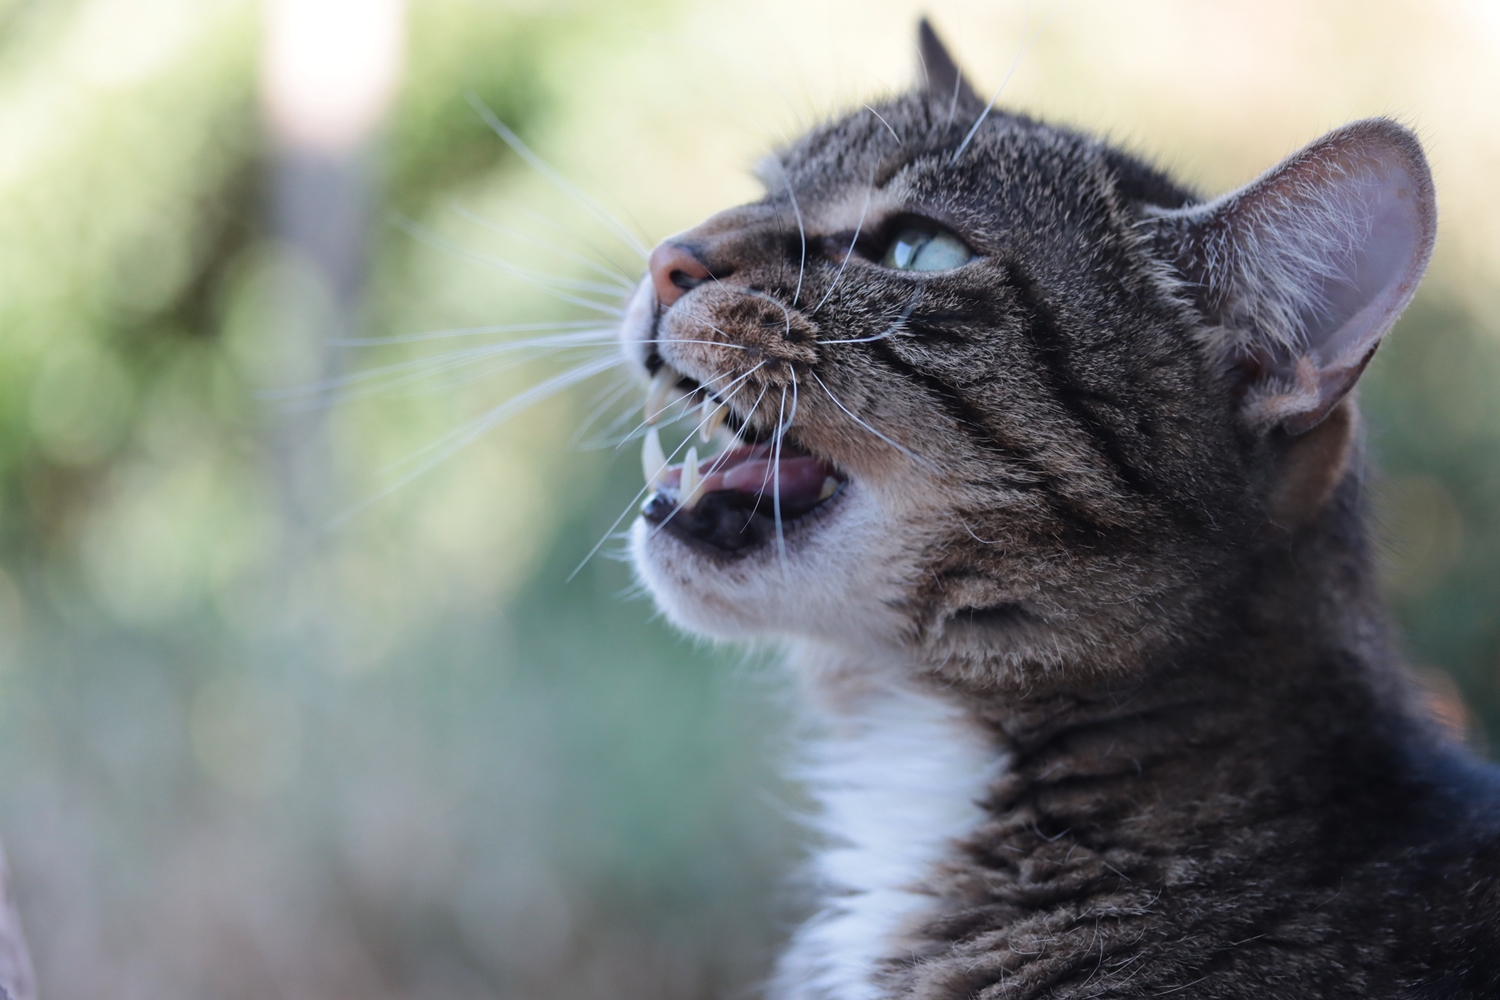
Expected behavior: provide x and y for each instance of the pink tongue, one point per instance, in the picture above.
(798, 479)
(750, 470)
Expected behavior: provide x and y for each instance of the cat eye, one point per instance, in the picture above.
(925, 248)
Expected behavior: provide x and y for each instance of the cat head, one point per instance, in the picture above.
(1003, 396)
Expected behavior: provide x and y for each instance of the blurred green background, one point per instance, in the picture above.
(248, 755)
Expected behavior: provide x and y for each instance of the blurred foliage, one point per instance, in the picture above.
(422, 761)
(211, 790)
(1435, 429)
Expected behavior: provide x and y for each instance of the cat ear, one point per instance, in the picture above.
(1305, 269)
(940, 75)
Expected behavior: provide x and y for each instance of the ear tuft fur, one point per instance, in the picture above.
(940, 75)
(1304, 270)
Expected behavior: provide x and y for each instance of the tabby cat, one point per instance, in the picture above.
(1048, 472)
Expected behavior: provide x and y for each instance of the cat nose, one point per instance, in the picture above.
(675, 271)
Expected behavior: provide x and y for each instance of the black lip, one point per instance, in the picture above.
(729, 524)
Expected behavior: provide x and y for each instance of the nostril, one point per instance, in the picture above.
(675, 270)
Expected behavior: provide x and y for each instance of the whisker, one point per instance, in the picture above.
(801, 233)
(1014, 63)
(496, 415)
(851, 415)
(890, 330)
(887, 124)
(608, 532)
(469, 331)
(756, 294)
(792, 417)
(610, 396)
(587, 203)
(640, 427)
(690, 309)
(712, 468)
(776, 481)
(546, 285)
(571, 341)
(587, 244)
(479, 220)
(348, 394)
(459, 438)
(455, 377)
(606, 439)
(869, 192)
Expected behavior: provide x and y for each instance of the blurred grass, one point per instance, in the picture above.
(423, 763)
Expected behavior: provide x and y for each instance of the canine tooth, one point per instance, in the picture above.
(687, 491)
(653, 459)
(714, 416)
(830, 486)
(659, 395)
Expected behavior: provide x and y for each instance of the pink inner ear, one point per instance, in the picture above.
(1380, 270)
(1309, 266)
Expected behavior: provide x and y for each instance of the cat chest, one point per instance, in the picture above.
(899, 786)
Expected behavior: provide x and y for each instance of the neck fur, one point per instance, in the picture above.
(932, 798)
(901, 775)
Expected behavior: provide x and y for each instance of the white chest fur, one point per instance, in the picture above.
(898, 780)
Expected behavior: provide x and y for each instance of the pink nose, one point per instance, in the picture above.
(674, 270)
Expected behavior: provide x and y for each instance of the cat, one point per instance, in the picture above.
(1049, 474)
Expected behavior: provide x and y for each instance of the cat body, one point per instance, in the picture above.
(1050, 473)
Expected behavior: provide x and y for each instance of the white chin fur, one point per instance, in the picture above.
(834, 583)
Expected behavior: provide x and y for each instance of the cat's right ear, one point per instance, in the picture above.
(1301, 272)
(940, 74)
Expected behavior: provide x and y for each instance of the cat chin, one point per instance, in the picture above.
(803, 592)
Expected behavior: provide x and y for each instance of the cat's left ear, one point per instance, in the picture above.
(940, 75)
(1302, 271)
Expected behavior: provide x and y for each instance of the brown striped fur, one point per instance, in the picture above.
(1105, 495)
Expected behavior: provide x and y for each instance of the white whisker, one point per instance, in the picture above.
(890, 330)
(887, 124)
(801, 233)
(631, 506)
(459, 438)
(851, 415)
(776, 480)
(869, 192)
(469, 331)
(617, 280)
(640, 427)
(542, 283)
(609, 398)
(1014, 63)
(588, 245)
(496, 415)
(444, 360)
(434, 374)
(587, 203)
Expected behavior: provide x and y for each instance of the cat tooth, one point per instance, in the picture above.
(830, 487)
(714, 416)
(660, 393)
(653, 458)
(687, 492)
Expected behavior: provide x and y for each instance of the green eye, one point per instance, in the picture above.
(923, 249)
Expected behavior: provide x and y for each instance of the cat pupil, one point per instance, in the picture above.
(922, 249)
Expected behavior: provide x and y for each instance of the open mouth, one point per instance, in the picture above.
(735, 500)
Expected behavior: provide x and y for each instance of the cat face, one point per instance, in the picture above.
(995, 398)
